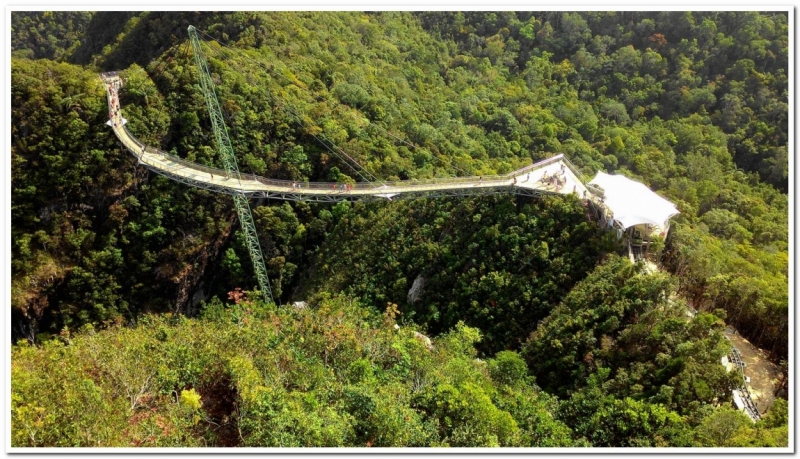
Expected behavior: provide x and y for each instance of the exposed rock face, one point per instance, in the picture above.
(425, 340)
(415, 292)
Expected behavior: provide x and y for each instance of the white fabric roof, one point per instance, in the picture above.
(632, 202)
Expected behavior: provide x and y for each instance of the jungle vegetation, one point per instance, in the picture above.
(129, 291)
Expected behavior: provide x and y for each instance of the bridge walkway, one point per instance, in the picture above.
(525, 181)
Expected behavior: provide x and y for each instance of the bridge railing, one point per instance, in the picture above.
(327, 186)
(184, 163)
(134, 140)
(442, 181)
(594, 189)
(539, 164)
(488, 180)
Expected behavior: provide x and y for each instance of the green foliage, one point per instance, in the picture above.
(191, 399)
(620, 339)
(502, 277)
(727, 427)
(719, 428)
(334, 374)
(48, 34)
(97, 235)
(750, 284)
(607, 421)
(508, 368)
(778, 414)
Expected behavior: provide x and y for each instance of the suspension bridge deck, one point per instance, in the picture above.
(526, 181)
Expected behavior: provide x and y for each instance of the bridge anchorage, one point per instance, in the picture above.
(554, 175)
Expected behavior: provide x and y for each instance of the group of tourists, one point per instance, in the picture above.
(343, 187)
(558, 179)
(113, 103)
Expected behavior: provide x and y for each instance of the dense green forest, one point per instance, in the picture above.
(338, 373)
(541, 336)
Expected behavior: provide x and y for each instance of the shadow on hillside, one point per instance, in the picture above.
(101, 31)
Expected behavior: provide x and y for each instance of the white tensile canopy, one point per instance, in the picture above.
(633, 203)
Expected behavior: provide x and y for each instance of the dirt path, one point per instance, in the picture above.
(763, 373)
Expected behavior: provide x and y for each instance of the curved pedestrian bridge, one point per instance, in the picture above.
(555, 175)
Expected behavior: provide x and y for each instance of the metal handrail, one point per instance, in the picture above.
(594, 189)
(133, 139)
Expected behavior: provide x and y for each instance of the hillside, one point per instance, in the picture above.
(338, 374)
(694, 105)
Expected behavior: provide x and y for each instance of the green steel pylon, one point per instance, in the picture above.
(231, 167)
